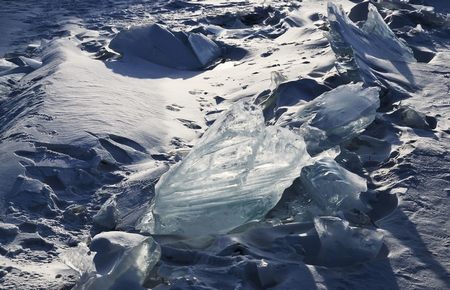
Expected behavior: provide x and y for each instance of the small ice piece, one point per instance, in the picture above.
(206, 50)
(122, 261)
(332, 187)
(235, 174)
(343, 245)
(369, 53)
(335, 116)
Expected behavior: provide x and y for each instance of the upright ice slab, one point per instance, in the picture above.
(235, 174)
(332, 187)
(335, 116)
(343, 245)
(372, 53)
(122, 261)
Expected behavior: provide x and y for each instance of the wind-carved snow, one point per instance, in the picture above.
(235, 174)
(368, 53)
(122, 260)
(335, 116)
(342, 244)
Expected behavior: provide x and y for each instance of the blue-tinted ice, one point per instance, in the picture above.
(235, 174)
(368, 53)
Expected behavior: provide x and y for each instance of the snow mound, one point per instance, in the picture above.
(157, 44)
(235, 174)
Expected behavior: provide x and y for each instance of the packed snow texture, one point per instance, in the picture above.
(335, 116)
(236, 173)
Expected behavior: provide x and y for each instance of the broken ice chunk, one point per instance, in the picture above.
(332, 187)
(107, 216)
(158, 44)
(372, 53)
(335, 116)
(204, 48)
(343, 245)
(235, 174)
(414, 119)
(6, 65)
(122, 261)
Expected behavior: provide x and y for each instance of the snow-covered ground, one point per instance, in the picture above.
(99, 99)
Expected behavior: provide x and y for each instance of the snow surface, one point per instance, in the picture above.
(99, 99)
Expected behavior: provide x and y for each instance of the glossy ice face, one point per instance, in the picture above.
(235, 174)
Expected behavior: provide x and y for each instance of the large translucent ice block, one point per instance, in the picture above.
(343, 245)
(372, 53)
(335, 116)
(332, 187)
(235, 174)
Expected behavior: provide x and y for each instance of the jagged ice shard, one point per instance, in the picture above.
(235, 174)
(335, 116)
(369, 53)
